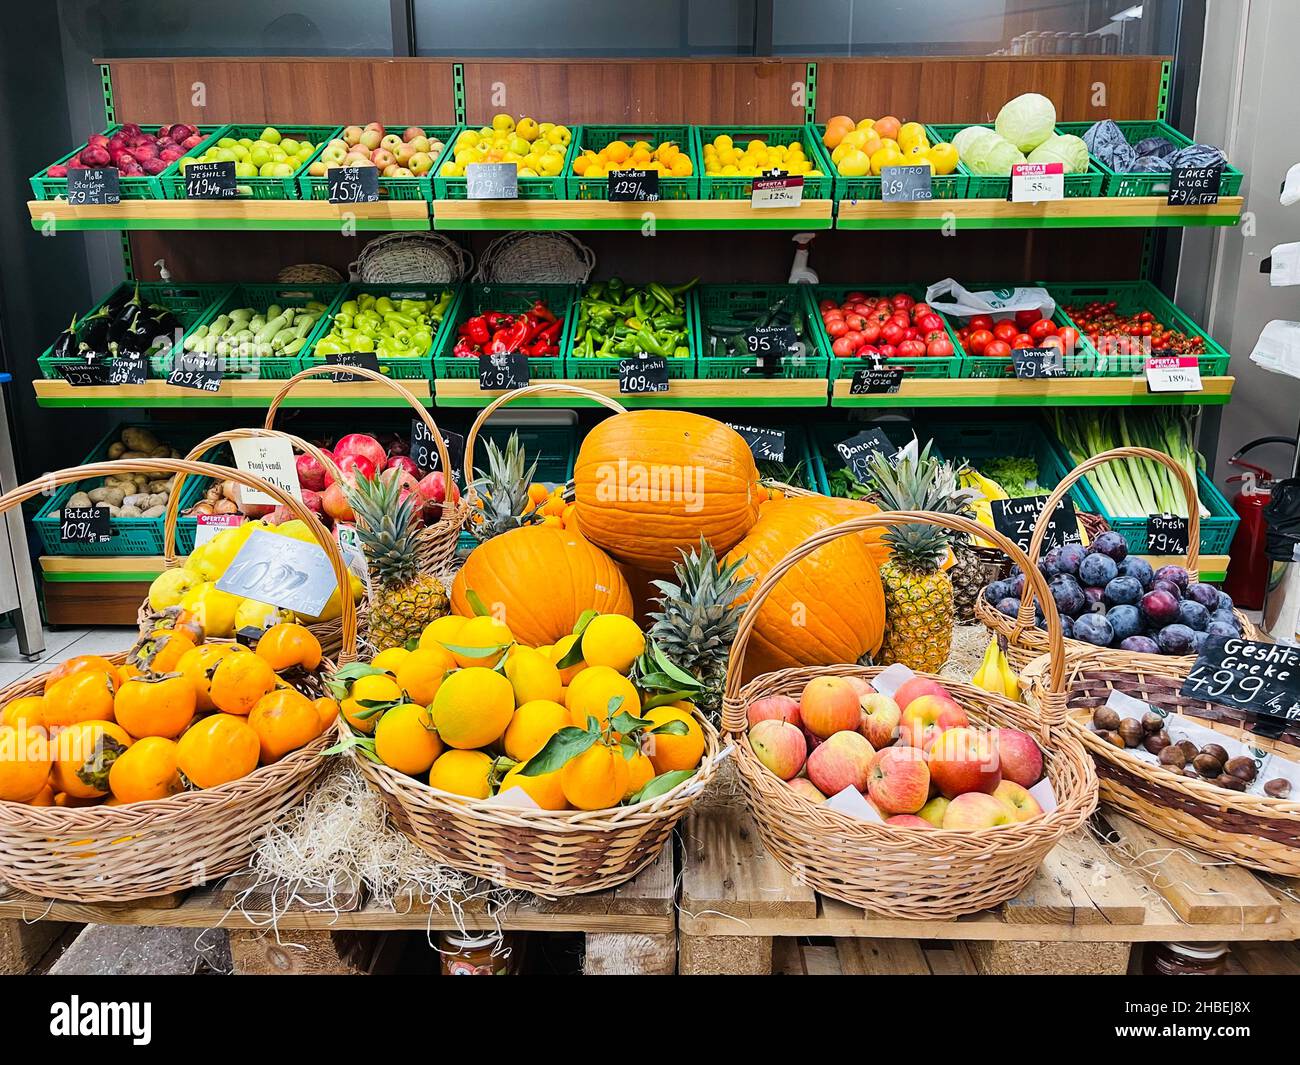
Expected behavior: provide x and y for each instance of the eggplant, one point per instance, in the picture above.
(65, 347)
(118, 298)
(131, 310)
(94, 330)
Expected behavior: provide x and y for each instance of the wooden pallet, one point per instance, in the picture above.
(1090, 901)
(630, 929)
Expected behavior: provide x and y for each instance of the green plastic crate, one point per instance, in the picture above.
(715, 187)
(597, 137)
(823, 437)
(130, 536)
(259, 188)
(404, 369)
(735, 307)
(1089, 183)
(943, 186)
(189, 302)
(606, 368)
(529, 188)
(129, 188)
(508, 299)
(799, 468)
(977, 440)
(1147, 183)
(390, 188)
(1130, 297)
(844, 369)
(260, 297)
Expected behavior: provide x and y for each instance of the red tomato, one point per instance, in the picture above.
(858, 307)
(853, 337)
(997, 349)
(1022, 340)
(926, 322)
(1041, 328)
(892, 332)
(963, 332)
(870, 332)
(842, 348)
(837, 327)
(931, 335)
(867, 351)
(981, 321)
(879, 315)
(940, 348)
(855, 295)
(979, 339)
(1052, 341)
(911, 349)
(827, 305)
(902, 301)
(1025, 319)
(886, 350)
(1005, 330)
(855, 321)
(1069, 337)
(919, 309)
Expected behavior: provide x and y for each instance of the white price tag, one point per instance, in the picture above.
(784, 190)
(270, 458)
(1034, 182)
(1174, 373)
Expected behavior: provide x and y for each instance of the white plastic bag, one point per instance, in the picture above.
(1284, 265)
(1278, 348)
(948, 297)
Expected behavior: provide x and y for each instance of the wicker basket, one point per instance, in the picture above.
(117, 853)
(1251, 830)
(411, 259)
(536, 258)
(1024, 641)
(887, 869)
(309, 274)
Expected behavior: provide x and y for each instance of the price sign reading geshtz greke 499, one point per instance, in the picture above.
(1258, 678)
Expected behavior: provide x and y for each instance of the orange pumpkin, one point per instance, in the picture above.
(828, 608)
(841, 510)
(539, 579)
(649, 483)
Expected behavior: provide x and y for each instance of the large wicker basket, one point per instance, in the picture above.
(1025, 641)
(892, 870)
(1252, 830)
(117, 853)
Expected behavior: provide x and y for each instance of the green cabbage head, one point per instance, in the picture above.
(1064, 148)
(992, 156)
(1027, 121)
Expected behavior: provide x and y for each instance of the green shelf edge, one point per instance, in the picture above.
(99, 577)
(218, 402)
(1085, 222)
(632, 225)
(1166, 399)
(371, 225)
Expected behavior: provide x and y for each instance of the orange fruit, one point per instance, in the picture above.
(83, 754)
(533, 724)
(24, 763)
(146, 770)
(197, 666)
(467, 773)
(596, 779)
(162, 652)
(81, 696)
(405, 740)
(26, 710)
(156, 706)
(80, 664)
(595, 689)
(640, 772)
(674, 752)
(375, 688)
(284, 721)
(473, 708)
(218, 749)
(544, 789)
(420, 674)
(239, 681)
(44, 797)
(289, 644)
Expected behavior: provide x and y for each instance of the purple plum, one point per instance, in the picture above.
(1009, 606)
(1193, 615)
(1069, 597)
(1094, 629)
(1139, 567)
(1097, 570)
(1225, 617)
(1176, 640)
(1070, 558)
(1067, 627)
(1095, 594)
(1225, 600)
(1199, 639)
(1126, 620)
(1049, 564)
(1016, 585)
(1159, 608)
(1122, 589)
(1141, 644)
(995, 591)
(1176, 574)
(1219, 630)
(1166, 586)
(1112, 545)
(1205, 594)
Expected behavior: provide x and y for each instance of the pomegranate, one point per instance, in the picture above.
(362, 445)
(335, 503)
(404, 462)
(311, 474)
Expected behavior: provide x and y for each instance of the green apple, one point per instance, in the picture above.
(267, 169)
(227, 142)
(281, 170)
(259, 156)
(271, 135)
(245, 170)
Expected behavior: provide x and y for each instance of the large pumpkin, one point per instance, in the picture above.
(841, 510)
(539, 579)
(649, 483)
(828, 608)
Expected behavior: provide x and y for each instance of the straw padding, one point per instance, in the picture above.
(551, 853)
(117, 853)
(887, 869)
(1252, 830)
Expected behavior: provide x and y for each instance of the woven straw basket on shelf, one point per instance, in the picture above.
(533, 258)
(1252, 830)
(100, 854)
(1026, 642)
(411, 259)
(892, 870)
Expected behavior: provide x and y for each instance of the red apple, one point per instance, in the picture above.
(363, 445)
(811, 738)
(1019, 755)
(780, 707)
(1023, 806)
(58, 170)
(899, 782)
(780, 746)
(829, 705)
(914, 687)
(860, 686)
(963, 760)
(976, 810)
(807, 789)
(926, 715)
(843, 761)
(880, 717)
(933, 810)
(311, 474)
(95, 155)
(908, 821)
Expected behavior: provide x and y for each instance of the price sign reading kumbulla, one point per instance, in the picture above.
(282, 571)
(1015, 519)
(1259, 678)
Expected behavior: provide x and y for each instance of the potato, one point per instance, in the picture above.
(80, 499)
(116, 450)
(138, 499)
(128, 512)
(138, 439)
(106, 494)
(154, 512)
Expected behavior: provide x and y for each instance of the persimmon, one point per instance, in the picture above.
(72, 802)
(156, 706)
(44, 797)
(82, 664)
(83, 755)
(26, 710)
(239, 681)
(287, 645)
(217, 750)
(83, 696)
(197, 666)
(162, 652)
(24, 763)
(284, 721)
(146, 770)
(327, 710)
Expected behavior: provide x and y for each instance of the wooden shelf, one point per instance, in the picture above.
(322, 392)
(1082, 213)
(59, 215)
(1052, 392)
(600, 214)
(750, 392)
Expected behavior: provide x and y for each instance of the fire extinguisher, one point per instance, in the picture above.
(1248, 565)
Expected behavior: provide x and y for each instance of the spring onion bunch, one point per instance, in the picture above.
(1133, 486)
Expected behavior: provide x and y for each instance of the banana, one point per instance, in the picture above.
(1010, 681)
(995, 674)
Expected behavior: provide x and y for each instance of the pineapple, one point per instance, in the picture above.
(503, 491)
(696, 623)
(402, 599)
(919, 606)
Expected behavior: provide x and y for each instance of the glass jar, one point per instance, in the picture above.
(476, 955)
(1186, 959)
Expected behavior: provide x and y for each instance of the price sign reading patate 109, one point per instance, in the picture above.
(1035, 182)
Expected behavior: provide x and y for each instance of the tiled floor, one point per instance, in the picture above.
(59, 644)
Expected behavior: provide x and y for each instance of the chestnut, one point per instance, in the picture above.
(1152, 722)
(1131, 730)
(1173, 757)
(1242, 768)
(1104, 719)
(1278, 788)
(1188, 771)
(1114, 739)
(1215, 751)
(1207, 765)
(1231, 783)
(1156, 742)
(1189, 749)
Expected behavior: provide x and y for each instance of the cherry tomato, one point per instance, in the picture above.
(997, 349)
(1041, 328)
(1025, 319)
(979, 339)
(1005, 330)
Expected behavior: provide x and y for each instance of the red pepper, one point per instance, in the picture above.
(540, 310)
(496, 320)
(510, 338)
(477, 330)
(464, 349)
(551, 332)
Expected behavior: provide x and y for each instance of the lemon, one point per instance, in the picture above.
(405, 740)
(532, 676)
(473, 707)
(465, 773)
(612, 640)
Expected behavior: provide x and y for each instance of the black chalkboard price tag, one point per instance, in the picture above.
(1166, 535)
(876, 381)
(1195, 186)
(98, 186)
(85, 374)
(210, 181)
(127, 370)
(503, 371)
(769, 345)
(424, 452)
(857, 450)
(352, 184)
(643, 374)
(764, 443)
(201, 373)
(633, 186)
(1015, 519)
(492, 181)
(906, 184)
(1259, 678)
(85, 525)
(367, 360)
(1030, 364)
